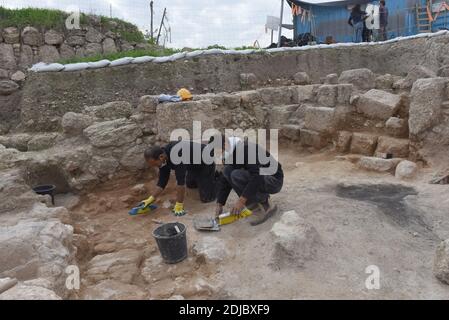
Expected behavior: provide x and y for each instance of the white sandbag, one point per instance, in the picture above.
(121, 62)
(76, 66)
(247, 51)
(161, 59)
(231, 52)
(143, 59)
(47, 67)
(177, 56)
(195, 53)
(275, 50)
(99, 64)
(213, 51)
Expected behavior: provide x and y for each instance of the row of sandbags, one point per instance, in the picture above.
(57, 67)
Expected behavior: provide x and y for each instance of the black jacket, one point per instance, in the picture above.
(241, 160)
(191, 164)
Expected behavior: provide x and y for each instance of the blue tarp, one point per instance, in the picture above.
(329, 2)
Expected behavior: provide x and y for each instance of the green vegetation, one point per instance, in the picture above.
(55, 19)
(114, 56)
(20, 18)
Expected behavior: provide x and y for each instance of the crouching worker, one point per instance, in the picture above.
(185, 159)
(254, 175)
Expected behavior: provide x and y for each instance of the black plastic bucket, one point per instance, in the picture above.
(46, 189)
(172, 244)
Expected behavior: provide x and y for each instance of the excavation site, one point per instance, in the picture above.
(363, 140)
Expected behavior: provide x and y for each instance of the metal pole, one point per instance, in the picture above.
(152, 16)
(160, 28)
(272, 35)
(280, 23)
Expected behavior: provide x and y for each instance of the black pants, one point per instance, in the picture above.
(239, 178)
(204, 179)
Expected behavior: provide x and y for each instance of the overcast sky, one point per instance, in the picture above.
(194, 23)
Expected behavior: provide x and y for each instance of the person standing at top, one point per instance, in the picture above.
(383, 21)
(357, 21)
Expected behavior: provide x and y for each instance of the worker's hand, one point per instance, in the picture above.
(148, 201)
(218, 210)
(178, 210)
(238, 207)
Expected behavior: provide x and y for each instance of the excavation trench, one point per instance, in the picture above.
(118, 251)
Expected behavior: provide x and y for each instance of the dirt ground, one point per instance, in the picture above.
(362, 219)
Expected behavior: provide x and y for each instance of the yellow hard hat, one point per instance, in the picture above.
(185, 94)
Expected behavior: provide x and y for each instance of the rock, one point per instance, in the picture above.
(122, 266)
(4, 74)
(7, 58)
(248, 80)
(26, 58)
(385, 82)
(42, 141)
(80, 52)
(154, 269)
(301, 78)
(296, 241)
(18, 76)
(425, 106)
(303, 93)
(32, 249)
(378, 104)
(31, 36)
(8, 87)
(344, 94)
(126, 46)
(111, 110)
(132, 158)
(327, 95)
(114, 290)
(17, 141)
(444, 71)
(406, 170)
(320, 119)
(74, 123)
(148, 104)
(364, 144)
(74, 41)
(279, 116)
(398, 147)
(103, 248)
(93, 49)
(276, 96)
(103, 166)
(48, 54)
(312, 139)
(53, 38)
(396, 127)
(109, 46)
(113, 133)
(415, 73)
(211, 248)
(94, 36)
(360, 78)
(331, 79)
(139, 190)
(24, 292)
(7, 283)
(290, 132)
(176, 297)
(377, 164)
(11, 35)
(66, 51)
(441, 262)
(343, 141)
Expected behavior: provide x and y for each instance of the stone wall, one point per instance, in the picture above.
(21, 48)
(49, 95)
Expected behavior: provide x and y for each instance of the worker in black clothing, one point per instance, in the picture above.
(254, 175)
(185, 158)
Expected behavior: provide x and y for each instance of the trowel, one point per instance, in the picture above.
(206, 224)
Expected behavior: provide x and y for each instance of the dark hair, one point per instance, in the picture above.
(357, 8)
(382, 2)
(153, 153)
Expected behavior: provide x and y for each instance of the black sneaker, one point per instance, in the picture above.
(265, 212)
